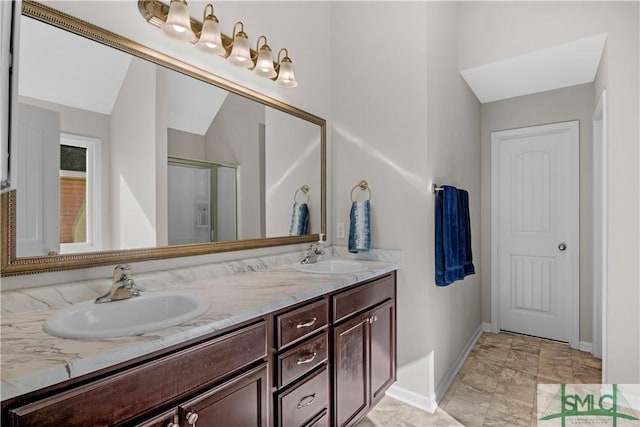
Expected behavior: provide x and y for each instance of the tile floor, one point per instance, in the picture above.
(496, 386)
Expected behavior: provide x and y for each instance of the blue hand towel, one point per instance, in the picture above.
(359, 228)
(465, 231)
(452, 236)
(299, 219)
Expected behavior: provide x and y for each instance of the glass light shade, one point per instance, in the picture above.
(241, 52)
(178, 22)
(286, 76)
(264, 63)
(210, 39)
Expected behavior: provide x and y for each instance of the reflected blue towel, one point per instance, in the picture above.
(299, 219)
(359, 228)
(454, 260)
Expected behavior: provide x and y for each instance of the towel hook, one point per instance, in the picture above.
(305, 190)
(435, 188)
(363, 185)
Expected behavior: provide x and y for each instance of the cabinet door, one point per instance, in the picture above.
(166, 419)
(351, 370)
(382, 350)
(240, 402)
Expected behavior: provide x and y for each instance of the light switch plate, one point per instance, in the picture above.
(340, 230)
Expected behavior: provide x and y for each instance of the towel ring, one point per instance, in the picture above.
(305, 190)
(363, 186)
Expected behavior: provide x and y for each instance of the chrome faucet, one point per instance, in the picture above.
(315, 250)
(123, 286)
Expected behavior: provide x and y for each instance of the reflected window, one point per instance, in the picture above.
(79, 187)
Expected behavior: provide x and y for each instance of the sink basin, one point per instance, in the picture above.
(148, 312)
(334, 266)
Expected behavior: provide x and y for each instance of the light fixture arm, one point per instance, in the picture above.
(286, 54)
(258, 42)
(233, 37)
(206, 15)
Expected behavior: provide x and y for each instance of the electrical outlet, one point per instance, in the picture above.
(340, 230)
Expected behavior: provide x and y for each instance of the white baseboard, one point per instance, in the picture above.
(486, 327)
(586, 346)
(442, 388)
(414, 399)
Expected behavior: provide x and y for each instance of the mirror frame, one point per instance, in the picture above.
(10, 265)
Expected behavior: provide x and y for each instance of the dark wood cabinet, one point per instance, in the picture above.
(351, 381)
(240, 402)
(166, 419)
(382, 345)
(322, 363)
(364, 349)
(301, 380)
(123, 397)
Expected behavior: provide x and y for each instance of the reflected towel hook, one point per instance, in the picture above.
(363, 185)
(435, 188)
(305, 190)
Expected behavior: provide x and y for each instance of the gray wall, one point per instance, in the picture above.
(401, 121)
(573, 103)
(233, 139)
(185, 144)
(133, 165)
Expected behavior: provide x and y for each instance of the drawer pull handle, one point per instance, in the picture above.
(173, 425)
(306, 359)
(192, 417)
(306, 401)
(307, 324)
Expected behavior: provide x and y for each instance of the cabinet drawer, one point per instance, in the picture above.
(300, 323)
(162, 420)
(301, 359)
(299, 405)
(150, 385)
(321, 421)
(358, 299)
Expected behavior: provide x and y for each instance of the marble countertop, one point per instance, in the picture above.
(237, 291)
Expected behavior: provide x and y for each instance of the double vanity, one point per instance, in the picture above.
(276, 347)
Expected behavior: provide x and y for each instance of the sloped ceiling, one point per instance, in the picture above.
(560, 66)
(86, 75)
(192, 104)
(78, 73)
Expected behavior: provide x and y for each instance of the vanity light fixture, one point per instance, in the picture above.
(210, 38)
(178, 23)
(286, 76)
(240, 51)
(264, 62)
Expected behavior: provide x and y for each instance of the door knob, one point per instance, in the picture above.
(562, 247)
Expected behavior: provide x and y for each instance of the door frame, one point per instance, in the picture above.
(574, 232)
(599, 126)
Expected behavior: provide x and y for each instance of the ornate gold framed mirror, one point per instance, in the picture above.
(272, 175)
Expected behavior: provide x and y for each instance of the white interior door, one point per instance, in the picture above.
(535, 218)
(38, 186)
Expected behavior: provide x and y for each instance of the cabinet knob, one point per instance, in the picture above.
(373, 319)
(171, 424)
(192, 417)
